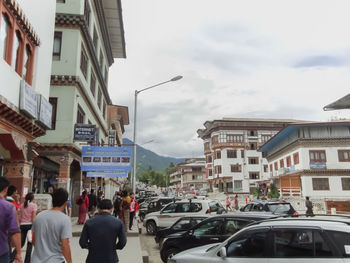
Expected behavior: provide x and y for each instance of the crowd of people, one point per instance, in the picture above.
(49, 231)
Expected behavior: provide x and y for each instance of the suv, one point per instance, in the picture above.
(298, 240)
(212, 230)
(153, 205)
(274, 207)
(173, 211)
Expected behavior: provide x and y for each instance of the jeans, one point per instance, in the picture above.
(5, 258)
(132, 214)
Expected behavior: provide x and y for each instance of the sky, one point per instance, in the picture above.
(241, 59)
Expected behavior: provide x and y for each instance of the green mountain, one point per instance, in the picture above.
(147, 158)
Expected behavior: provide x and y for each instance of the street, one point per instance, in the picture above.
(148, 244)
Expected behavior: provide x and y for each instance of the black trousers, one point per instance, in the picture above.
(132, 215)
(24, 232)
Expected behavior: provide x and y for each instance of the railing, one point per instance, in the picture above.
(291, 191)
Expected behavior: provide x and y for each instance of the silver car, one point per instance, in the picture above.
(284, 240)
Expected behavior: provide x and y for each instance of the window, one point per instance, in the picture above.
(344, 155)
(80, 115)
(83, 62)
(320, 184)
(237, 185)
(210, 228)
(253, 146)
(169, 208)
(281, 163)
(182, 208)
(57, 46)
(234, 138)
(195, 207)
(4, 36)
(276, 166)
(87, 12)
(93, 83)
(254, 175)
(271, 168)
(27, 62)
(236, 168)
(104, 110)
(218, 155)
(296, 158)
(290, 243)
(289, 161)
(265, 138)
(249, 245)
(317, 156)
(206, 146)
(242, 153)
(253, 133)
(95, 39)
(16, 51)
(215, 139)
(253, 160)
(99, 97)
(210, 172)
(53, 102)
(186, 223)
(218, 169)
(196, 169)
(101, 59)
(345, 182)
(266, 168)
(209, 159)
(342, 240)
(231, 154)
(231, 226)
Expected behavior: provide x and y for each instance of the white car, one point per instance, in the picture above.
(173, 211)
(284, 240)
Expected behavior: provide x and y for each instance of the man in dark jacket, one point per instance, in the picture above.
(100, 235)
(92, 203)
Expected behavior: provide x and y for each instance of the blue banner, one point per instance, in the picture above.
(106, 159)
(107, 174)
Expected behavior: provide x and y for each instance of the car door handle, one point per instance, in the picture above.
(214, 239)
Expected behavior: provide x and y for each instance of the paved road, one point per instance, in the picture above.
(148, 244)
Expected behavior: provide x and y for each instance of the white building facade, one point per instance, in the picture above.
(312, 159)
(233, 164)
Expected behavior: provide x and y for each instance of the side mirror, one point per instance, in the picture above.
(222, 252)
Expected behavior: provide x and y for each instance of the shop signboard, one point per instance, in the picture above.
(318, 165)
(44, 111)
(106, 159)
(107, 174)
(111, 137)
(84, 132)
(28, 100)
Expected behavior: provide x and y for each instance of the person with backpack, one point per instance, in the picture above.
(92, 203)
(116, 205)
(83, 203)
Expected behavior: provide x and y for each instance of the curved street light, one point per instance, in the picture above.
(135, 118)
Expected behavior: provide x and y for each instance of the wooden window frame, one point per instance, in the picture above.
(99, 98)
(271, 168)
(296, 158)
(276, 166)
(84, 61)
(347, 187)
(289, 161)
(56, 56)
(80, 114)
(95, 39)
(231, 154)
(317, 152)
(93, 84)
(253, 160)
(266, 168)
(341, 155)
(234, 168)
(282, 163)
(326, 188)
(254, 148)
(217, 154)
(53, 101)
(254, 173)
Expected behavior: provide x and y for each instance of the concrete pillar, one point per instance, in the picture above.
(18, 173)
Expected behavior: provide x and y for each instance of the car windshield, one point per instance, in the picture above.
(211, 248)
(280, 208)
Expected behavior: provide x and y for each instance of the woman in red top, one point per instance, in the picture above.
(83, 202)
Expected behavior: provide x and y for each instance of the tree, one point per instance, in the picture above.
(273, 193)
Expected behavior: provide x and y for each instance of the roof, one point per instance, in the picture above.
(281, 135)
(342, 103)
(258, 120)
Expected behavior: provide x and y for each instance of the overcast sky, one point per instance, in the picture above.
(265, 59)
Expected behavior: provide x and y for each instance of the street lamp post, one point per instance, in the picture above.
(135, 118)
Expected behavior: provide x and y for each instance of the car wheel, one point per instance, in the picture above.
(151, 227)
(169, 254)
(142, 217)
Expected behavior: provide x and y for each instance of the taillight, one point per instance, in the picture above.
(295, 213)
(208, 211)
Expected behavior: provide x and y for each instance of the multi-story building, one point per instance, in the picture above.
(312, 159)
(189, 175)
(26, 40)
(88, 36)
(233, 164)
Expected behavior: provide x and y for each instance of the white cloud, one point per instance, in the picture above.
(283, 59)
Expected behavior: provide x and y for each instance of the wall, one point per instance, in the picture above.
(335, 187)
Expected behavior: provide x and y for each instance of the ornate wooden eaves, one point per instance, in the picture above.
(23, 21)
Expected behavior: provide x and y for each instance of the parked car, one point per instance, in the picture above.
(274, 207)
(282, 240)
(153, 205)
(212, 230)
(183, 224)
(173, 211)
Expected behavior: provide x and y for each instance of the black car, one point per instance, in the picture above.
(154, 205)
(183, 224)
(212, 230)
(274, 207)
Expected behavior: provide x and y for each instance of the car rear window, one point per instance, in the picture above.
(214, 206)
(280, 208)
(342, 241)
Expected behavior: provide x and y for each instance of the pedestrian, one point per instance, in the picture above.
(52, 230)
(115, 196)
(124, 213)
(116, 205)
(12, 196)
(92, 203)
(100, 235)
(134, 207)
(236, 206)
(309, 206)
(83, 202)
(228, 203)
(27, 214)
(9, 229)
(68, 209)
(247, 199)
